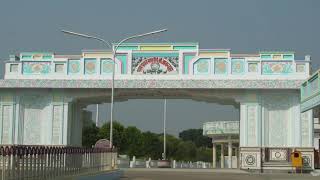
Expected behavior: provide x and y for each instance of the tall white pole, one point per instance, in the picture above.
(164, 127)
(112, 95)
(97, 115)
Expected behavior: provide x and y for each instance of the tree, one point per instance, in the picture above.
(133, 141)
(119, 139)
(191, 146)
(196, 136)
(89, 135)
(186, 151)
(151, 145)
(204, 154)
(171, 145)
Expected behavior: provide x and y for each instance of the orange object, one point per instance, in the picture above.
(296, 159)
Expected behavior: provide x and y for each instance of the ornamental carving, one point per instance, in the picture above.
(253, 67)
(276, 68)
(74, 66)
(220, 66)
(155, 65)
(36, 67)
(237, 66)
(90, 66)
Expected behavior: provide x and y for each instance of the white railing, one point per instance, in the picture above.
(141, 163)
(43, 162)
(221, 128)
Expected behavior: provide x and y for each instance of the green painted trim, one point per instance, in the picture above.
(288, 57)
(186, 60)
(26, 57)
(47, 57)
(123, 59)
(265, 56)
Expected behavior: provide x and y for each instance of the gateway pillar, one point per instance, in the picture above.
(222, 155)
(229, 153)
(214, 153)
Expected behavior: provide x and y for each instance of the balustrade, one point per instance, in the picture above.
(50, 162)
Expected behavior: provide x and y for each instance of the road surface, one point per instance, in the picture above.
(200, 174)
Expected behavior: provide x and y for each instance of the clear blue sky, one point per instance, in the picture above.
(244, 26)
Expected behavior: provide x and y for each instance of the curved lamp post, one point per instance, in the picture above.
(114, 51)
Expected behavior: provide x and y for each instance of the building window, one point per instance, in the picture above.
(252, 67)
(59, 68)
(13, 67)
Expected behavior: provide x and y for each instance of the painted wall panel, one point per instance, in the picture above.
(74, 67)
(90, 66)
(56, 124)
(202, 66)
(32, 125)
(6, 124)
(306, 129)
(271, 68)
(42, 68)
(237, 66)
(252, 118)
(220, 66)
(107, 66)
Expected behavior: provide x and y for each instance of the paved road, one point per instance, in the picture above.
(191, 174)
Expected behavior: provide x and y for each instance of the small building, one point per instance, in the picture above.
(224, 133)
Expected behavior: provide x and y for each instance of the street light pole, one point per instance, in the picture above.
(114, 52)
(97, 115)
(164, 127)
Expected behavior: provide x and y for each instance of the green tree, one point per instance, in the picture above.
(89, 135)
(118, 136)
(186, 151)
(191, 146)
(204, 154)
(151, 145)
(134, 142)
(196, 136)
(171, 145)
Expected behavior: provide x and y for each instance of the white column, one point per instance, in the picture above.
(229, 154)
(237, 156)
(222, 155)
(214, 153)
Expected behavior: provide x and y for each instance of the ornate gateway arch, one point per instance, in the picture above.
(42, 93)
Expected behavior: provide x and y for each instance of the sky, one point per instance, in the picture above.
(245, 26)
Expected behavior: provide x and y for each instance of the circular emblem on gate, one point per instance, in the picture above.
(306, 160)
(155, 66)
(250, 160)
(277, 154)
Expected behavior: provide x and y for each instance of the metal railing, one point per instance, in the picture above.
(49, 162)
